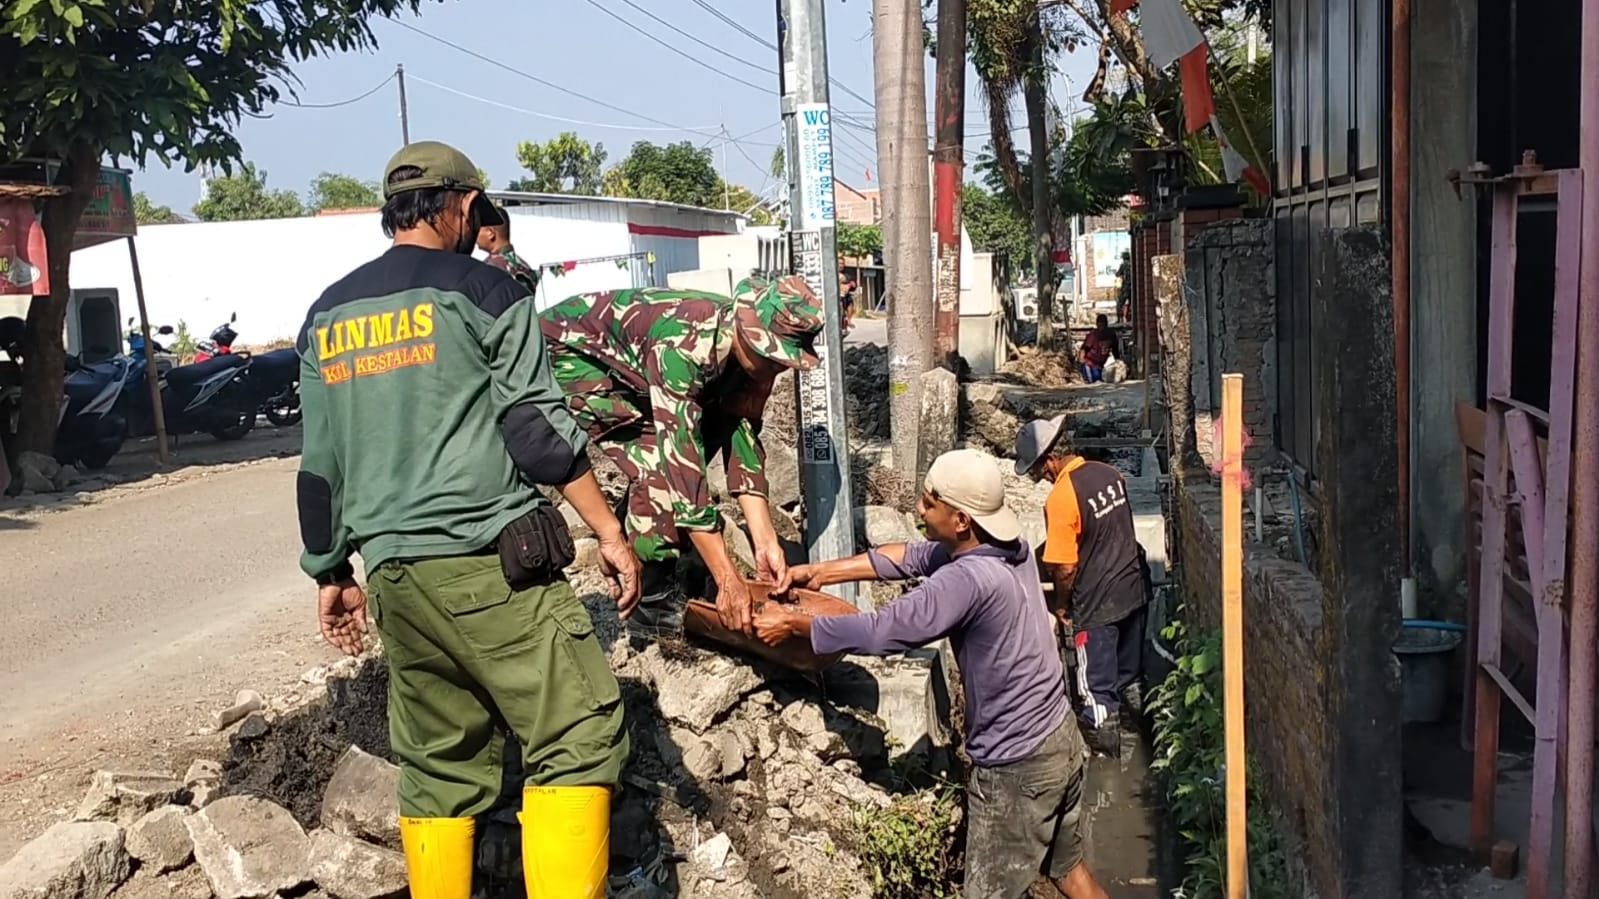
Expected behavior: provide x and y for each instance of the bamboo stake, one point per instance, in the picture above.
(1232, 617)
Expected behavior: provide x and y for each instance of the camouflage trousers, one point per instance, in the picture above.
(624, 432)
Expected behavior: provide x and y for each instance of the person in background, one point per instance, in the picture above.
(494, 238)
(430, 414)
(846, 298)
(1124, 293)
(1096, 566)
(982, 592)
(664, 380)
(1098, 347)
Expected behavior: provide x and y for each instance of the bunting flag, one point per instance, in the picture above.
(868, 175)
(1237, 167)
(1199, 105)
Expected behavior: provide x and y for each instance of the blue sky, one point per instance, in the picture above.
(486, 110)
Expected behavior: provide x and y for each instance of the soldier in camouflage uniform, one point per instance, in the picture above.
(663, 380)
(494, 238)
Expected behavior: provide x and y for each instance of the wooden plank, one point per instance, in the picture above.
(1232, 578)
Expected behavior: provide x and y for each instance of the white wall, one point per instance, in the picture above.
(270, 272)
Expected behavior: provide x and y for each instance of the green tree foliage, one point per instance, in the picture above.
(742, 199)
(334, 191)
(565, 164)
(155, 80)
(675, 173)
(996, 225)
(147, 213)
(859, 241)
(245, 197)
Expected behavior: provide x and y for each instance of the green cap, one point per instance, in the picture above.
(780, 319)
(442, 166)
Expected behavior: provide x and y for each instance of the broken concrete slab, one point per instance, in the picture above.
(908, 693)
(249, 848)
(203, 771)
(244, 703)
(698, 696)
(574, 522)
(126, 796)
(350, 869)
(884, 525)
(698, 756)
(73, 860)
(362, 799)
(160, 840)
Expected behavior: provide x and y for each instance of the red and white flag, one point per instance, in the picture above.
(1236, 166)
(1169, 33)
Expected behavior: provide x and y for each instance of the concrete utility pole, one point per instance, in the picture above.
(1037, 98)
(948, 163)
(902, 148)
(405, 111)
(813, 253)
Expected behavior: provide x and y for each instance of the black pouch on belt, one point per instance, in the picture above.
(535, 548)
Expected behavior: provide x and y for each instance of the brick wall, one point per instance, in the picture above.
(1229, 287)
(1286, 710)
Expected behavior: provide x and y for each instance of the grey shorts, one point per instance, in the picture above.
(1022, 818)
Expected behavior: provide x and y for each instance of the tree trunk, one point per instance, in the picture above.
(44, 350)
(1036, 95)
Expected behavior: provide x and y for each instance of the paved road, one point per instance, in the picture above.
(127, 621)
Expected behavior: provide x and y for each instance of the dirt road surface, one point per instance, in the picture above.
(133, 612)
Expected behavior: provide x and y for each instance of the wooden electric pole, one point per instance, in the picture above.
(901, 88)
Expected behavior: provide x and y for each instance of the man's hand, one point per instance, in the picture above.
(771, 563)
(806, 577)
(341, 610)
(621, 568)
(774, 624)
(733, 604)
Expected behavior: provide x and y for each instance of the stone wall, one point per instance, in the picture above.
(1229, 287)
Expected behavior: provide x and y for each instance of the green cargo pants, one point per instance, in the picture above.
(467, 653)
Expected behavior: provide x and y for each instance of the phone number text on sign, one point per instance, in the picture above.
(815, 165)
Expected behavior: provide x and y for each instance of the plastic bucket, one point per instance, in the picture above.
(1423, 649)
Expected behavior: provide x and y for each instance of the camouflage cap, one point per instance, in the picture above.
(780, 319)
(441, 165)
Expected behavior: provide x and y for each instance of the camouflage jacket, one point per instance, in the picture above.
(669, 352)
(507, 260)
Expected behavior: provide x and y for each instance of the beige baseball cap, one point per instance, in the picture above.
(969, 480)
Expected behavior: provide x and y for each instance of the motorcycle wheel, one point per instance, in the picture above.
(283, 415)
(99, 454)
(238, 429)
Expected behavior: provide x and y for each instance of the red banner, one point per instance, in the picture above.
(24, 270)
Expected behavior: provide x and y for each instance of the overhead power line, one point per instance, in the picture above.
(688, 56)
(768, 70)
(545, 115)
(548, 83)
(379, 86)
(739, 27)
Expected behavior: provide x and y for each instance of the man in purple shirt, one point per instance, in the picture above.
(982, 592)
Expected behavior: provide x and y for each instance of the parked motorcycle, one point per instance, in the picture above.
(211, 397)
(276, 376)
(94, 419)
(220, 343)
(11, 333)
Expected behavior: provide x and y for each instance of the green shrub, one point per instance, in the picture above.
(909, 847)
(1190, 754)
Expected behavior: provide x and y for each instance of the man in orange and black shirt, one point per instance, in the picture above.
(1092, 557)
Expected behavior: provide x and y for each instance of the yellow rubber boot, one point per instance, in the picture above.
(438, 856)
(566, 841)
